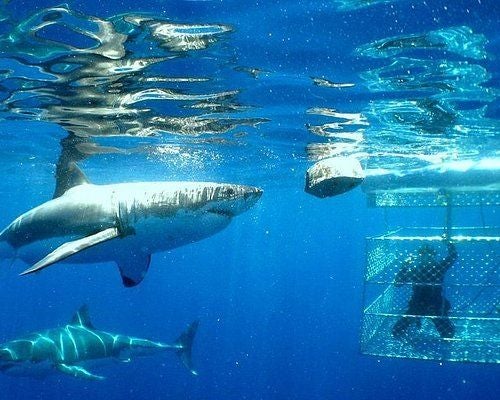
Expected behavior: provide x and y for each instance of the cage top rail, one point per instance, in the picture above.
(433, 197)
(438, 238)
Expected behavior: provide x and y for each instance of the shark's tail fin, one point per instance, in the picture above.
(185, 341)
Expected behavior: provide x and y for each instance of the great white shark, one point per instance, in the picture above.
(71, 348)
(123, 222)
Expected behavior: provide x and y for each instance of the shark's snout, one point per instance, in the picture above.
(252, 195)
(235, 199)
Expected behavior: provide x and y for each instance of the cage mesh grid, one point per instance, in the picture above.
(433, 198)
(471, 285)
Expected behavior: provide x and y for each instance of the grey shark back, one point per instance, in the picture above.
(65, 349)
(125, 223)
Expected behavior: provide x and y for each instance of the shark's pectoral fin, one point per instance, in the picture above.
(133, 269)
(78, 372)
(68, 249)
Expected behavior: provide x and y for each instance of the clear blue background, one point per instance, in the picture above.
(278, 293)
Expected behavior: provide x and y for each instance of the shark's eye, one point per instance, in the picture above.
(230, 191)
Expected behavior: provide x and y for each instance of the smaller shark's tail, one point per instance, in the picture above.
(185, 341)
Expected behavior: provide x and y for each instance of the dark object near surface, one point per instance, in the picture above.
(333, 176)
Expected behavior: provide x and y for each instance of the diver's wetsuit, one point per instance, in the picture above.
(427, 295)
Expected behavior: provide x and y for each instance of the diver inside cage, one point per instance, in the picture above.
(425, 272)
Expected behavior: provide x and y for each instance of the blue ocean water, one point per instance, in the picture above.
(252, 93)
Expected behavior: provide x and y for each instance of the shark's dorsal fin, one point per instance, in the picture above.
(82, 318)
(69, 176)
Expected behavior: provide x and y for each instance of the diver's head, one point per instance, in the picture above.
(426, 253)
(426, 249)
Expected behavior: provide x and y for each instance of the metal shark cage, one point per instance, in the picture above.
(471, 284)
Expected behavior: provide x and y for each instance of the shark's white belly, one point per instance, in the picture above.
(150, 235)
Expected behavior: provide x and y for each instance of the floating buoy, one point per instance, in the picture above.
(333, 176)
